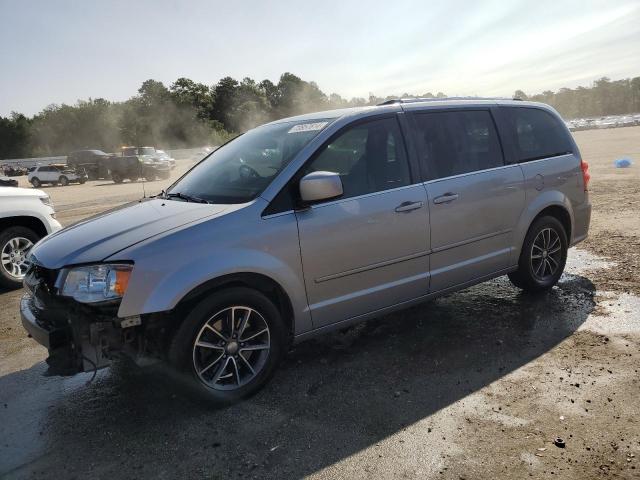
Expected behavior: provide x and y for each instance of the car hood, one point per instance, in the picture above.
(102, 236)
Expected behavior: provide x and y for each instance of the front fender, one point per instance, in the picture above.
(166, 269)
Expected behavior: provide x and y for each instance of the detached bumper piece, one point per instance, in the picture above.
(85, 338)
(78, 340)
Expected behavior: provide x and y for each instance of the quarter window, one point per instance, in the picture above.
(370, 157)
(457, 142)
(536, 134)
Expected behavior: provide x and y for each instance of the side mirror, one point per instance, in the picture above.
(316, 186)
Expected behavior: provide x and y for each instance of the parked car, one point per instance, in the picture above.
(55, 174)
(8, 182)
(26, 215)
(607, 122)
(94, 162)
(165, 157)
(201, 153)
(310, 224)
(138, 162)
(14, 170)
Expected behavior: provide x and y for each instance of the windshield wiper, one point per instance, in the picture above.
(185, 197)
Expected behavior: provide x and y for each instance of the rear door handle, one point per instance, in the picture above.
(408, 206)
(446, 198)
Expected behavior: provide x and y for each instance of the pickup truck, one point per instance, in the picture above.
(138, 162)
(94, 162)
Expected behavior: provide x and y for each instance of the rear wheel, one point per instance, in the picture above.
(117, 178)
(35, 181)
(15, 243)
(229, 345)
(543, 256)
(64, 181)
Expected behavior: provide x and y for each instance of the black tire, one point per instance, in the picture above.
(63, 181)
(184, 357)
(149, 175)
(541, 270)
(82, 181)
(7, 280)
(116, 177)
(35, 181)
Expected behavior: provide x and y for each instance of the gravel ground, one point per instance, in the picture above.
(475, 385)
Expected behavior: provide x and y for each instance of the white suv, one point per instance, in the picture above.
(56, 175)
(26, 215)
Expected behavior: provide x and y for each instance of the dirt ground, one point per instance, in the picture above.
(475, 385)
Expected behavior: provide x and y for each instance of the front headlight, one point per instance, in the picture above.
(46, 200)
(96, 283)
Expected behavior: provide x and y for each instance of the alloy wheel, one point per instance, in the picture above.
(231, 348)
(13, 257)
(546, 254)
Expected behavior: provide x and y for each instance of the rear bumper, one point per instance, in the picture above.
(581, 221)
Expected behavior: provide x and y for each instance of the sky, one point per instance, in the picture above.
(59, 51)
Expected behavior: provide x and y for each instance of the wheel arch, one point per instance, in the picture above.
(256, 281)
(560, 213)
(26, 221)
(552, 203)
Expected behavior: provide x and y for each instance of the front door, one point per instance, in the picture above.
(475, 199)
(368, 249)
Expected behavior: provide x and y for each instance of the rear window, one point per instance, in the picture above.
(537, 134)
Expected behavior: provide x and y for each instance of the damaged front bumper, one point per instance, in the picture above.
(79, 339)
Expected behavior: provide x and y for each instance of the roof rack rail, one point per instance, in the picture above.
(394, 101)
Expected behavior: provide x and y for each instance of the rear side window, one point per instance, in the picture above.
(457, 142)
(536, 134)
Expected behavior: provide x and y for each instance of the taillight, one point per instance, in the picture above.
(585, 174)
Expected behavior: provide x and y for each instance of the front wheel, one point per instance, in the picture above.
(35, 181)
(117, 178)
(229, 345)
(543, 256)
(64, 181)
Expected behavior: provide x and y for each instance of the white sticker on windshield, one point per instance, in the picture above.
(307, 127)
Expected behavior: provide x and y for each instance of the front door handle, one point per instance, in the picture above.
(446, 198)
(408, 206)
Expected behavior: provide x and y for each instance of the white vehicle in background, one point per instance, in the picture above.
(26, 216)
(607, 122)
(627, 121)
(55, 175)
(165, 157)
(201, 153)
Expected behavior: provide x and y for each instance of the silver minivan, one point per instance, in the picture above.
(309, 224)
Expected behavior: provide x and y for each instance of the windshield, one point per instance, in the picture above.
(240, 170)
(146, 151)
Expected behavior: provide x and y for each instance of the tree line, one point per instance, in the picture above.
(189, 114)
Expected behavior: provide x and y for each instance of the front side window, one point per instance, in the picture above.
(536, 134)
(457, 142)
(240, 170)
(370, 157)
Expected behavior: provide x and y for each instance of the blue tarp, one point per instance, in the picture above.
(623, 163)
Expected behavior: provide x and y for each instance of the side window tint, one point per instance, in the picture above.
(537, 134)
(369, 157)
(457, 142)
